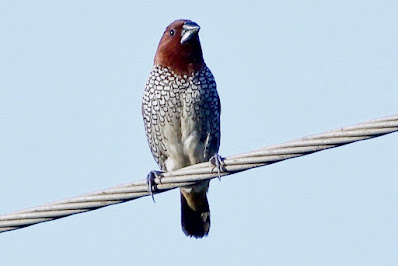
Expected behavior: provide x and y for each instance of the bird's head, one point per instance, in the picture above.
(179, 48)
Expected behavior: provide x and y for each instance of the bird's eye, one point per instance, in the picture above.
(172, 32)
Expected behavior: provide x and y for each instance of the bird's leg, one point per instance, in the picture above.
(217, 162)
(150, 181)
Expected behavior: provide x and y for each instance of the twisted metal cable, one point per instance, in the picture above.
(192, 174)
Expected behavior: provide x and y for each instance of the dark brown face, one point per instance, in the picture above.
(180, 48)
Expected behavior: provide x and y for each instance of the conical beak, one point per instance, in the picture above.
(189, 30)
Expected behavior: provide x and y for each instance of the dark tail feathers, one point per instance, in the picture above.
(195, 221)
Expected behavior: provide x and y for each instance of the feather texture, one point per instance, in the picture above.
(181, 112)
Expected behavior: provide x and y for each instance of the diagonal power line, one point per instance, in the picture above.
(195, 173)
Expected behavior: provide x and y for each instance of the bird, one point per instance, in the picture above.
(181, 113)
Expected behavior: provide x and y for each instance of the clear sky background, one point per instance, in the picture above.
(72, 76)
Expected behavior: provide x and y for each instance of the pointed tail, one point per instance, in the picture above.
(195, 212)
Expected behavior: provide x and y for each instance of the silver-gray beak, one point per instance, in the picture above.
(189, 30)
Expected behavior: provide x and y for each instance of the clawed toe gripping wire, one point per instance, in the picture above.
(150, 181)
(217, 162)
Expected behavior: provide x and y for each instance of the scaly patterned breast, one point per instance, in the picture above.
(181, 116)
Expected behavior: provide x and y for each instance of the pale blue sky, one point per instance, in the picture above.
(72, 75)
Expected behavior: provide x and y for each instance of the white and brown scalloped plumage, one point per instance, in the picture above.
(181, 112)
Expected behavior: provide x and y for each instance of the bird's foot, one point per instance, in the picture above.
(217, 162)
(150, 181)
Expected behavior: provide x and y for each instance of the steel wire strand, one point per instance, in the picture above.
(195, 173)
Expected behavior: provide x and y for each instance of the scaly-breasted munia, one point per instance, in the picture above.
(181, 112)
